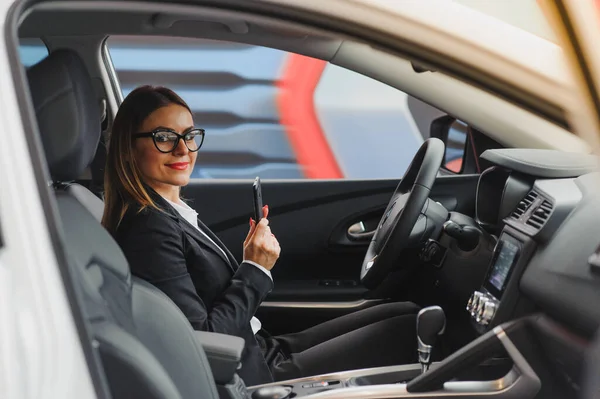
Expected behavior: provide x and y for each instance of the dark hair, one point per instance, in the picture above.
(123, 185)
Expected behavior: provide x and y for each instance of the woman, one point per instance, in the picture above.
(153, 148)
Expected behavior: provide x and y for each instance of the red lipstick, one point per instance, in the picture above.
(178, 165)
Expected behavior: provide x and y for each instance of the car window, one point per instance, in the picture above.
(277, 114)
(32, 51)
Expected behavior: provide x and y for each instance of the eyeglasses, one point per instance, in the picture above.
(166, 140)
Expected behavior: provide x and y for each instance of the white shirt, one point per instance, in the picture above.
(189, 214)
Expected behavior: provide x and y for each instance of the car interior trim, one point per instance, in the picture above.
(112, 74)
(543, 163)
(520, 382)
(563, 194)
(320, 305)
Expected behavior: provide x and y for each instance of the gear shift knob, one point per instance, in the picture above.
(431, 323)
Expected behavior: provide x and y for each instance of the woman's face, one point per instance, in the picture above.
(165, 173)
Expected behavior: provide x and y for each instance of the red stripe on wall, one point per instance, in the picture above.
(297, 115)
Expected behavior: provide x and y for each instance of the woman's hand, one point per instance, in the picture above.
(260, 245)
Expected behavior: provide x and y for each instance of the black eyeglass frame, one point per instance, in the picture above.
(153, 133)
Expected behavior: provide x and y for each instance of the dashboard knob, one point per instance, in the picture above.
(489, 310)
(480, 307)
(476, 298)
(470, 303)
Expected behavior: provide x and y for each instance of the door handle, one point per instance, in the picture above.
(357, 232)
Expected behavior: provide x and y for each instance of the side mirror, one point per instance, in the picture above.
(454, 135)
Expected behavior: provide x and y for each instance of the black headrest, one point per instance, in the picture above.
(67, 112)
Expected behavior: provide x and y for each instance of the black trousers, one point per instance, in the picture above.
(383, 335)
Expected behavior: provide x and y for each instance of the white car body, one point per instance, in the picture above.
(40, 354)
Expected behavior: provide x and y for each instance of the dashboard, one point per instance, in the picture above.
(542, 210)
(542, 207)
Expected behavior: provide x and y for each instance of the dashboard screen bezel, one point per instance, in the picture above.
(505, 237)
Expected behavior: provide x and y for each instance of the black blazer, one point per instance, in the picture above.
(213, 291)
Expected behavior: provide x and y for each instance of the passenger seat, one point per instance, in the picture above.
(145, 343)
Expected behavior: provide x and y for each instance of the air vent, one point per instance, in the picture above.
(540, 215)
(524, 205)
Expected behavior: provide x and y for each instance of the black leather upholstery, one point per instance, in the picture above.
(224, 353)
(68, 115)
(153, 356)
(131, 370)
(98, 258)
(91, 202)
(167, 332)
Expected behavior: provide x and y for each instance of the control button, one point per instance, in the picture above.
(488, 312)
(479, 298)
(476, 297)
(433, 253)
(470, 303)
(307, 386)
(480, 306)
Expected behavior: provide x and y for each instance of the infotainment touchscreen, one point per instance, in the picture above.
(504, 259)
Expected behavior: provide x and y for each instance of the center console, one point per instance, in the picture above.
(483, 304)
(431, 323)
(496, 300)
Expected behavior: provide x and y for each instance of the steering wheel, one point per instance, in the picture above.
(393, 234)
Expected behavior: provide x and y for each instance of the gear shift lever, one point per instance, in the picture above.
(431, 323)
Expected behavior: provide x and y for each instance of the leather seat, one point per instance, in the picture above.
(146, 345)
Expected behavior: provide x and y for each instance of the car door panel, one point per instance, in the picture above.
(310, 219)
(288, 317)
